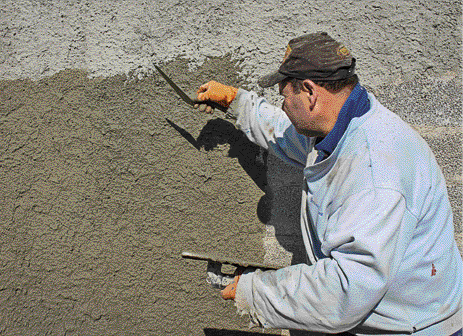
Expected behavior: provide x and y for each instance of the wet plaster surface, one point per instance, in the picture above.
(104, 183)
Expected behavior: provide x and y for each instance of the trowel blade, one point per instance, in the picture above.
(187, 98)
(228, 261)
(179, 91)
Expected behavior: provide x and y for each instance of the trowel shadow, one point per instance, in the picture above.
(251, 157)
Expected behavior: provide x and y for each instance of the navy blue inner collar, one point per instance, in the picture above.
(356, 105)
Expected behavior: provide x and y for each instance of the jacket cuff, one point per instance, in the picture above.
(236, 106)
(244, 300)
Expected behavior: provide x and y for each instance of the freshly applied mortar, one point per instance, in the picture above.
(104, 183)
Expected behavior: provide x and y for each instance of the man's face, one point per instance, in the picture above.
(300, 110)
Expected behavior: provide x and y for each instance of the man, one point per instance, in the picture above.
(375, 217)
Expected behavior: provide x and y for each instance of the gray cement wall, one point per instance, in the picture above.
(107, 176)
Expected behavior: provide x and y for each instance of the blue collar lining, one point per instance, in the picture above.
(356, 105)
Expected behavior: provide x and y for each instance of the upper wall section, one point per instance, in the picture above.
(392, 40)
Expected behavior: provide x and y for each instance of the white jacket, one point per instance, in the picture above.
(377, 226)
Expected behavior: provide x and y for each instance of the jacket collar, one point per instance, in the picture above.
(356, 105)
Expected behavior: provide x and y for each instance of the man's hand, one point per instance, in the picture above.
(216, 92)
(228, 282)
(216, 278)
(229, 292)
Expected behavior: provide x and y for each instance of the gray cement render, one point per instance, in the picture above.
(408, 55)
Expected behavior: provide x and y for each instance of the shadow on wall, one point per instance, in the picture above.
(279, 207)
(251, 157)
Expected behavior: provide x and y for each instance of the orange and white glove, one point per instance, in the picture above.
(229, 292)
(216, 92)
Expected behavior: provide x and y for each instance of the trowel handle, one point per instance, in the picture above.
(211, 104)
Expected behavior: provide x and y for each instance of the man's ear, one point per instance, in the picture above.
(311, 89)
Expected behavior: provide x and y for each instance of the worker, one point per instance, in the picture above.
(375, 217)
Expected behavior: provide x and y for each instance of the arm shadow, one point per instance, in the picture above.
(251, 157)
(281, 183)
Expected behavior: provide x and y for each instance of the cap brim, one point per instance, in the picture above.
(271, 79)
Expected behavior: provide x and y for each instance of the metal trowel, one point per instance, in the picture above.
(187, 98)
(228, 261)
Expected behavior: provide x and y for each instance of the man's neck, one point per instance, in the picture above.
(354, 107)
(335, 102)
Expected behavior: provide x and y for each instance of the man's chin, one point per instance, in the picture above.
(309, 133)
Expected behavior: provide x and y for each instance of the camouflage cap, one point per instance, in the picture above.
(315, 56)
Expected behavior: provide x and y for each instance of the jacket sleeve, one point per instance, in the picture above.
(269, 127)
(363, 242)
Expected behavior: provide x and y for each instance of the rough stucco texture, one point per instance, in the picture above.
(104, 183)
(390, 38)
(107, 176)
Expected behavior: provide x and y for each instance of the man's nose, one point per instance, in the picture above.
(283, 105)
